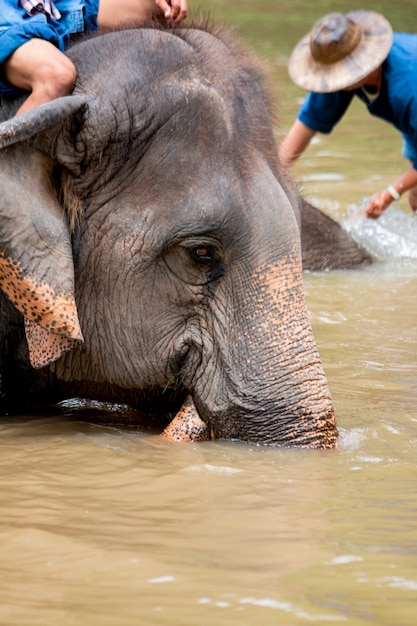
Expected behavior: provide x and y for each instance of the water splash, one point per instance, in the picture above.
(394, 234)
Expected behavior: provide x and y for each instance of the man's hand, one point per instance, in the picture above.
(174, 10)
(378, 203)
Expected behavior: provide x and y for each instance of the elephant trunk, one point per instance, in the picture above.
(263, 381)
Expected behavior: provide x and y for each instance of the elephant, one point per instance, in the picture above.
(325, 245)
(150, 250)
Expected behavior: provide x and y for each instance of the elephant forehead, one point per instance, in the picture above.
(164, 92)
(194, 124)
(214, 109)
(172, 110)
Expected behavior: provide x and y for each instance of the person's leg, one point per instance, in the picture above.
(412, 198)
(39, 67)
(410, 153)
(115, 14)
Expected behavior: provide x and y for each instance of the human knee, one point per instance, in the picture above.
(53, 78)
(38, 66)
(57, 78)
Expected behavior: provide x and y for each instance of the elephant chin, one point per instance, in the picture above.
(187, 425)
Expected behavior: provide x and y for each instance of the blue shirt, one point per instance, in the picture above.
(396, 102)
(17, 27)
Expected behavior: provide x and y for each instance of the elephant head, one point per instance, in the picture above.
(151, 242)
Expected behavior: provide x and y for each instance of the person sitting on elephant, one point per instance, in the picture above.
(35, 33)
(356, 53)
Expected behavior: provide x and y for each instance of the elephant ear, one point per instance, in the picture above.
(36, 263)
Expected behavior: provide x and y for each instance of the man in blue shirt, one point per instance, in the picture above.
(35, 33)
(357, 54)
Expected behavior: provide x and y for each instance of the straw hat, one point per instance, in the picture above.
(340, 50)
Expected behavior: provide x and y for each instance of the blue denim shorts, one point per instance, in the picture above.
(17, 28)
(409, 151)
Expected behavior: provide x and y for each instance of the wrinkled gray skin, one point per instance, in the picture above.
(185, 256)
(325, 245)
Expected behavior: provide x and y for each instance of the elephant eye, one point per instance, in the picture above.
(196, 260)
(202, 254)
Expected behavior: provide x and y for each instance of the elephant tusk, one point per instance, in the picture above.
(187, 425)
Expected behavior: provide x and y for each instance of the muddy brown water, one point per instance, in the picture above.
(102, 525)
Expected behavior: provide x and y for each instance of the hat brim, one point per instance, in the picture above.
(371, 51)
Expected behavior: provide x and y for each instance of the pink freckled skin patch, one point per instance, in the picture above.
(46, 347)
(187, 425)
(51, 318)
